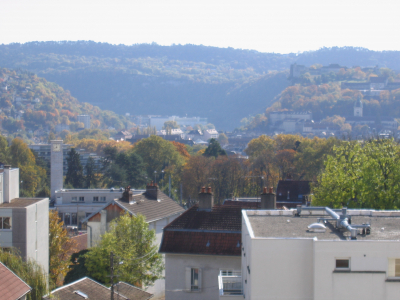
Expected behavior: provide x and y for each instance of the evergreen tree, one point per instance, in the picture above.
(75, 170)
(90, 178)
(214, 149)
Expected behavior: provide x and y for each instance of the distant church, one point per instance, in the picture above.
(358, 119)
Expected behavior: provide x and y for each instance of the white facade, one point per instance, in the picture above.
(178, 280)
(56, 167)
(289, 267)
(210, 134)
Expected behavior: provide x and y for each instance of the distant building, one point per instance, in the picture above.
(123, 135)
(289, 121)
(158, 121)
(85, 119)
(290, 193)
(210, 134)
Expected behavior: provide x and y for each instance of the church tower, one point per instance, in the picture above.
(358, 108)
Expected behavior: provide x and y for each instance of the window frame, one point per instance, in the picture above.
(342, 268)
(95, 198)
(81, 198)
(2, 220)
(74, 199)
(102, 199)
(194, 272)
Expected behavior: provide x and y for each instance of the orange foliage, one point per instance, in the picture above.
(181, 148)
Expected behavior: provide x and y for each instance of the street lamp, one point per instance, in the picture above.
(162, 179)
(155, 174)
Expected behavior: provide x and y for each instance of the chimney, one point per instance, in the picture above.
(268, 199)
(152, 191)
(11, 184)
(206, 199)
(127, 195)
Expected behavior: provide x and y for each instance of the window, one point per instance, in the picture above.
(5, 223)
(394, 267)
(81, 199)
(342, 264)
(95, 199)
(103, 199)
(74, 199)
(67, 219)
(74, 219)
(194, 281)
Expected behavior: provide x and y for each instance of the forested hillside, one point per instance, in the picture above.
(223, 84)
(28, 102)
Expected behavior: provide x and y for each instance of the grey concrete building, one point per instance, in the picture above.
(24, 222)
(56, 167)
(85, 119)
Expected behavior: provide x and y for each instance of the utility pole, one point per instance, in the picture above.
(112, 274)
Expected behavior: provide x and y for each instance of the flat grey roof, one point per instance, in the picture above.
(290, 226)
(21, 202)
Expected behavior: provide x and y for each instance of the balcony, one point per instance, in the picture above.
(230, 285)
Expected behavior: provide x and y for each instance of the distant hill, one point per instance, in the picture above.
(223, 84)
(28, 102)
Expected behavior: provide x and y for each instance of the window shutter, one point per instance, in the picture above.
(391, 267)
(200, 279)
(188, 279)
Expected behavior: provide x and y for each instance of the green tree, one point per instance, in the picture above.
(157, 153)
(133, 244)
(214, 149)
(90, 178)
(29, 271)
(361, 175)
(75, 171)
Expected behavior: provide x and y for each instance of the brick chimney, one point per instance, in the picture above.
(127, 195)
(206, 199)
(152, 191)
(268, 199)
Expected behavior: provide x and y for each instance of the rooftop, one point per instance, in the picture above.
(285, 224)
(95, 290)
(11, 286)
(21, 202)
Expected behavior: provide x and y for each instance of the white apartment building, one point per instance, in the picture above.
(318, 253)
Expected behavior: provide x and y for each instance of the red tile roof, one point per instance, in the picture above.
(11, 286)
(244, 204)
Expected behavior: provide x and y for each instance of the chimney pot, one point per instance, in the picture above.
(203, 190)
(264, 190)
(209, 190)
(268, 200)
(270, 190)
(206, 200)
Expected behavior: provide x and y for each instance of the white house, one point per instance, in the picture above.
(318, 253)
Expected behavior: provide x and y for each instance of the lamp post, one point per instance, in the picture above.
(155, 179)
(162, 179)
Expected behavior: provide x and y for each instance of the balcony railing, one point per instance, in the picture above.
(230, 285)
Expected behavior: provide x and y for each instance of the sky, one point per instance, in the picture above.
(281, 26)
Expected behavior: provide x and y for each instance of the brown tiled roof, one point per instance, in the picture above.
(209, 243)
(131, 292)
(81, 241)
(145, 205)
(20, 202)
(215, 232)
(221, 217)
(94, 290)
(152, 209)
(11, 286)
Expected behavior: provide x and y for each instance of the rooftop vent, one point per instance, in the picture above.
(83, 295)
(316, 227)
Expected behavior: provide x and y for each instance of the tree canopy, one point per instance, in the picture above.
(133, 244)
(363, 175)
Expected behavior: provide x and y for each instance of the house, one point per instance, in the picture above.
(290, 193)
(24, 222)
(11, 286)
(87, 288)
(324, 254)
(123, 135)
(202, 244)
(154, 205)
(210, 134)
(194, 135)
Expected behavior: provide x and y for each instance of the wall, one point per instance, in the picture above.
(175, 270)
(56, 168)
(368, 266)
(6, 240)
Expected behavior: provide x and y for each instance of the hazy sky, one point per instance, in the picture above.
(268, 26)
